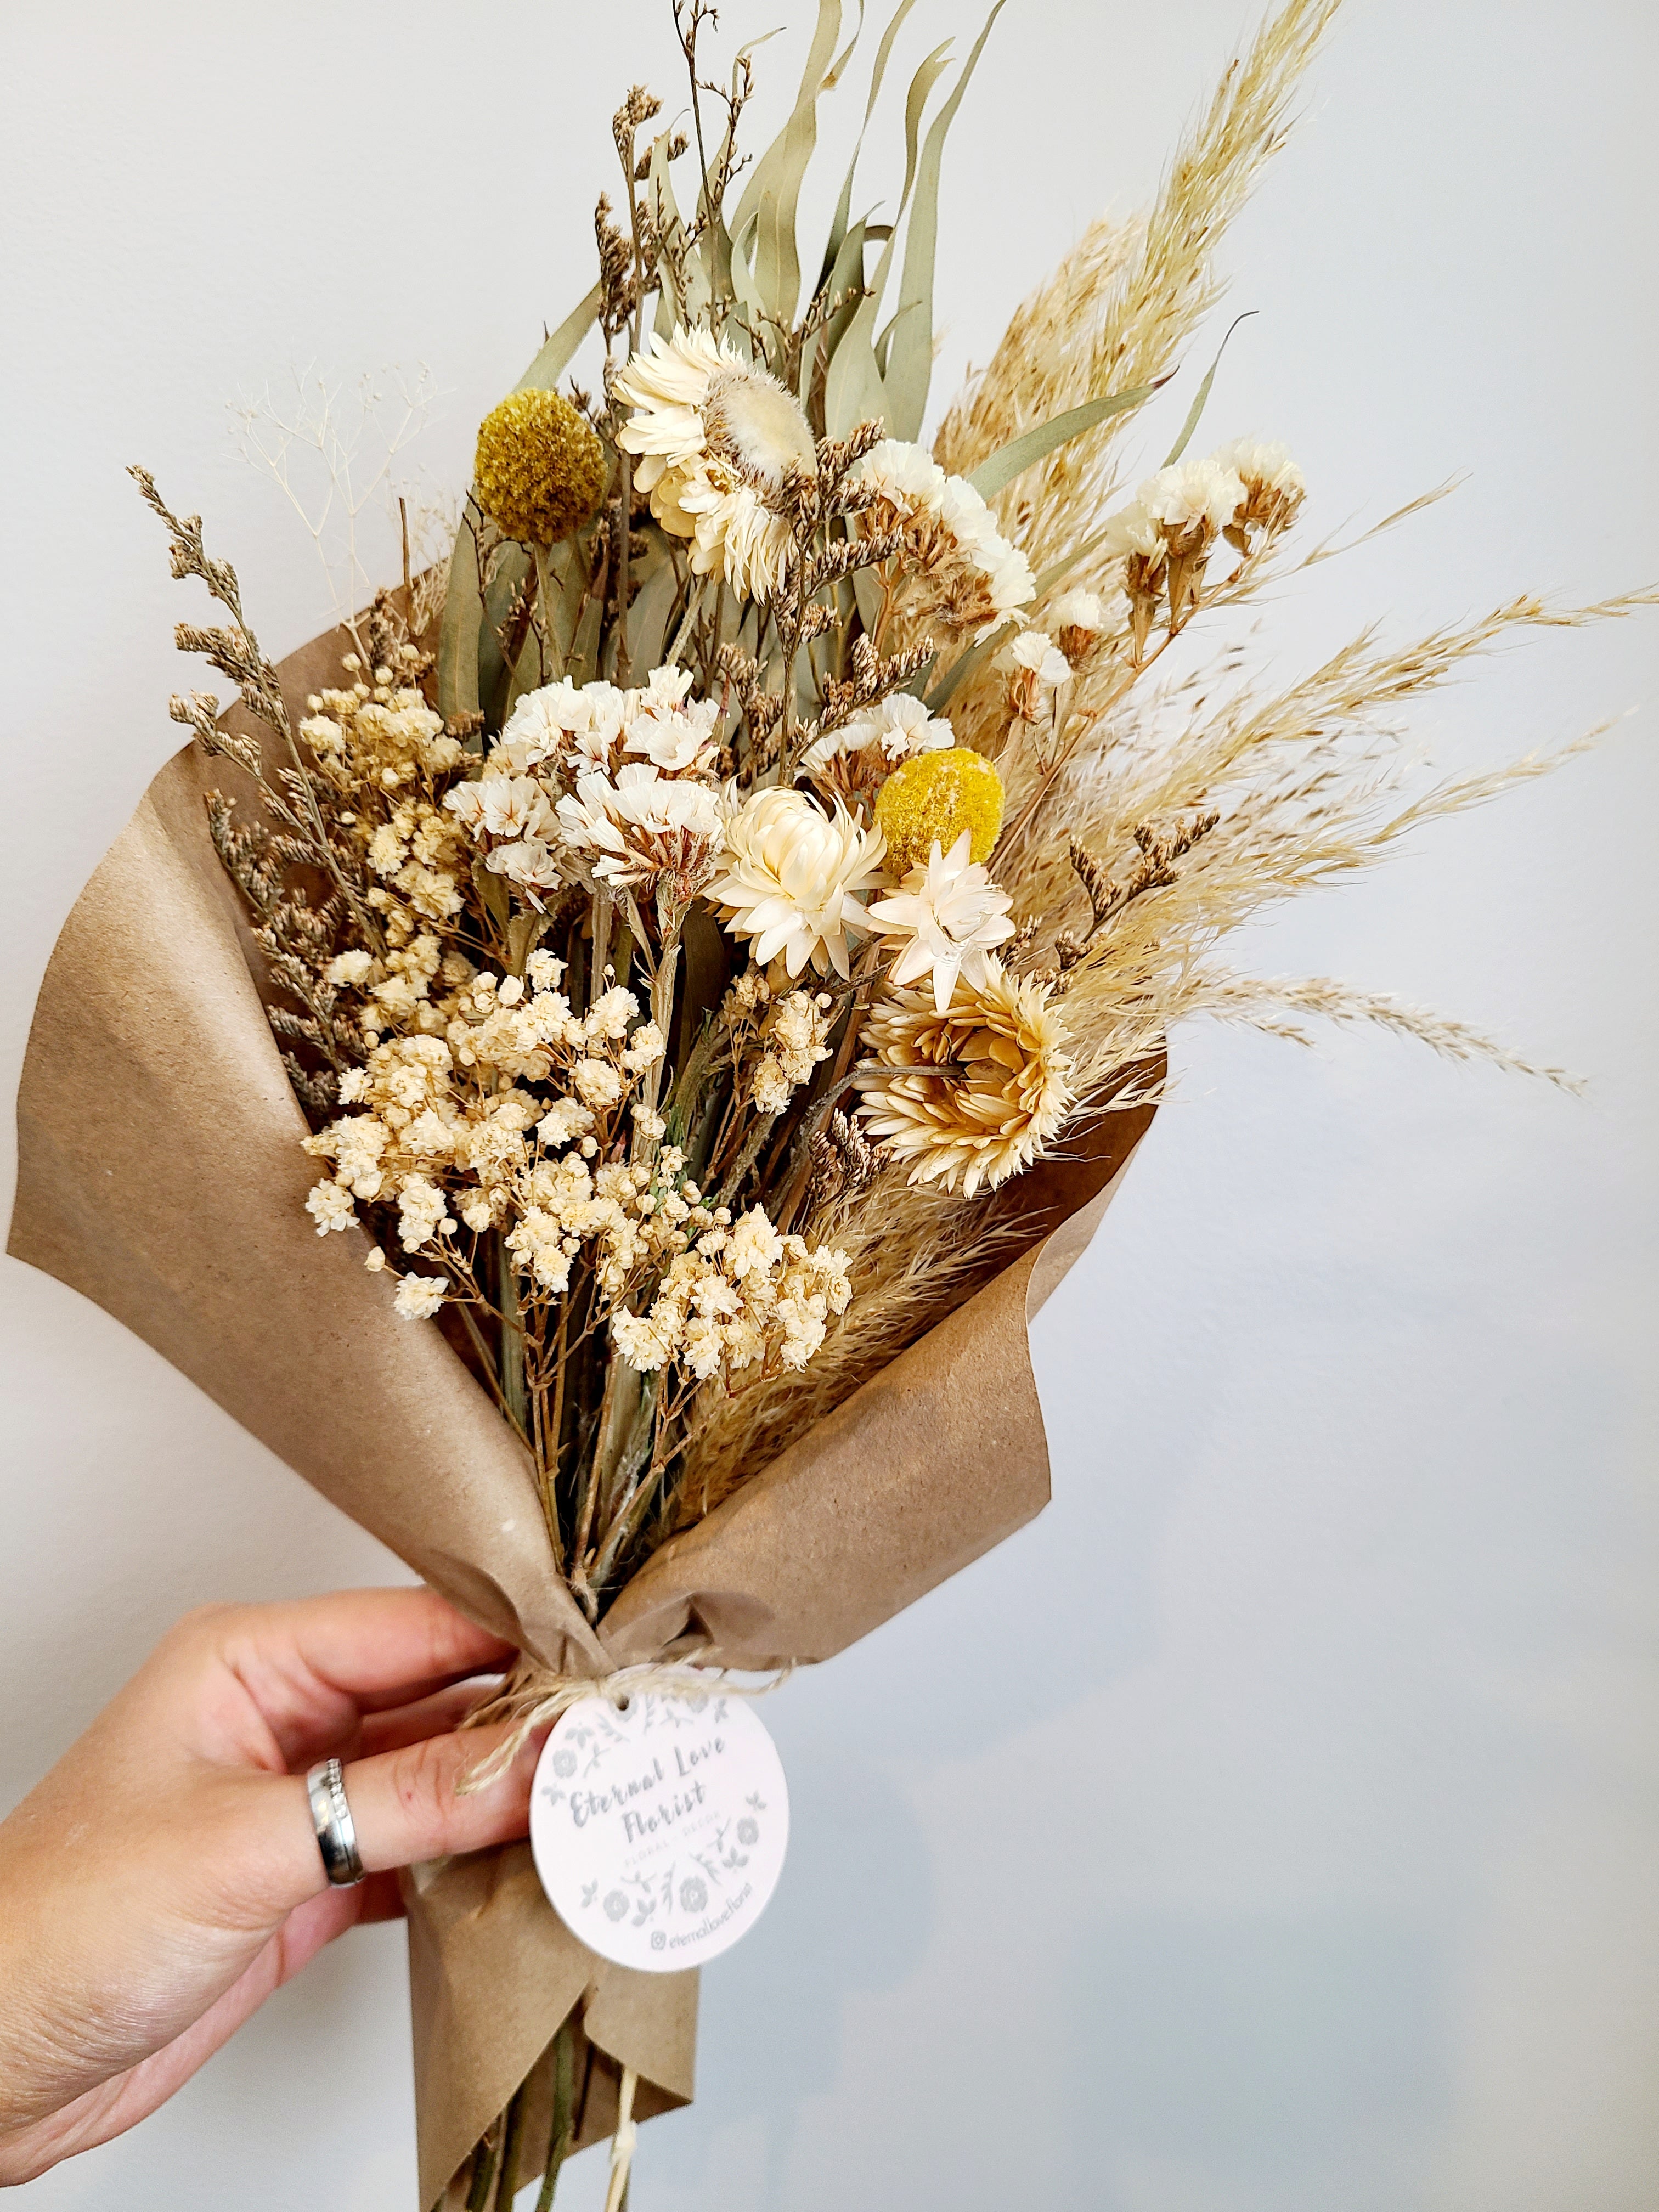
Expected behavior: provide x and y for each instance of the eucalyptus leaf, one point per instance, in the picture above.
(1032, 445)
(910, 359)
(1195, 412)
(843, 218)
(855, 391)
(772, 196)
(551, 363)
(846, 275)
(647, 618)
(458, 633)
(512, 572)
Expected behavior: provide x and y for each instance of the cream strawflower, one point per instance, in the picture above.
(714, 434)
(949, 917)
(1002, 1089)
(791, 878)
(643, 826)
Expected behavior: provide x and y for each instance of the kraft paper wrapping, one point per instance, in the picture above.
(160, 1173)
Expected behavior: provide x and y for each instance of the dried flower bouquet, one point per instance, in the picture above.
(728, 913)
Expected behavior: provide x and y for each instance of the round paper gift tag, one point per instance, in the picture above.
(659, 1830)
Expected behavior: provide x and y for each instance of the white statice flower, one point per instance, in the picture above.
(792, 877)
(679, 740)
(1078, 610)
(1076, 620)
(1036, 652)
(949, 917)
(1274, 488)
(1164, 537)
(419, 1297)
(330, 1206)
(715, 435)
(544, 722)
(962, 575)
(852, 761)
(642, 826)
(531, 863)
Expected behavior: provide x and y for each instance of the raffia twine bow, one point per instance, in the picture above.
(533, 1696)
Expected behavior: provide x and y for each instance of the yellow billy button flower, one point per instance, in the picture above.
(539, 473)
(932, 800)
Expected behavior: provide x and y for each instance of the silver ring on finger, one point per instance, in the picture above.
(331, 1816)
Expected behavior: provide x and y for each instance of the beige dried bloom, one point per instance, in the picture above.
(795, 1036)
(851, 764)
(791, 878)
(642, 828)
(716, 436)
(1001, 1090)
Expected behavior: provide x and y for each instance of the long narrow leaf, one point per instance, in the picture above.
(1034, 444)
(1195, 413)
(844, 213)
(910, 360)
(549, 364)
(853, 391)
(773, 194)
(458, 633)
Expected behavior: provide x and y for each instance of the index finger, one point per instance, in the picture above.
(371, 1648)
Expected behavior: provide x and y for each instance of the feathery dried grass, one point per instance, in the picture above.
(1118, 308)
(1271, 1002)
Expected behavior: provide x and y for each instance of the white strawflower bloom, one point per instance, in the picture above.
(963, 577)
(419, 1297)
(950, 916)
(791, 878)
(644, 825)
(709, 426)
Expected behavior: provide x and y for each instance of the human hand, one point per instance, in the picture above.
(165, 1877)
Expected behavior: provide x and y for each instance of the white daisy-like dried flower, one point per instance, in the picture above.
(419, 1297)
(852, 761)
(643, 827)
(792, 877)
(949, 917)
(714, 435)
(1003, 1087)
(1163, 538)
(960, 577)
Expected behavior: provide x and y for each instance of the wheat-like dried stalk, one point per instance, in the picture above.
(1271, 1002)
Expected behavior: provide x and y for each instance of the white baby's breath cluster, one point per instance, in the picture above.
(740, 1296)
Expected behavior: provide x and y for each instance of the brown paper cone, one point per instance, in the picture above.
(160, 1173)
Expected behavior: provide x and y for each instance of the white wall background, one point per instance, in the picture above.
(1303, 1851)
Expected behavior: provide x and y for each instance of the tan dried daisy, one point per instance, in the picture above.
(1002, 1088)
